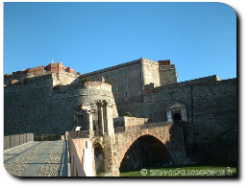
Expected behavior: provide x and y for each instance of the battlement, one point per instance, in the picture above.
(164, 62)
(55, 67)
(21, 76)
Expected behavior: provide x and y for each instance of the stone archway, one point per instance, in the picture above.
(144, 151)
(99, 158)
(176, 111)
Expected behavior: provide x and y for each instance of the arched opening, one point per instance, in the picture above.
(146, 151)
(177, 117)
(99, 159)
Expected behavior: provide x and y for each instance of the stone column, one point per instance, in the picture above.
(90, 123)
(100, 115)
(108, 118)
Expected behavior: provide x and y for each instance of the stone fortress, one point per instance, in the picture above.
(53, 99)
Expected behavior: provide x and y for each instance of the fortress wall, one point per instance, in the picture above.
(64, 78)
(168, 74)
(39, 108)
(150, 72)
(132, 87)
(26, 107)
(211, 111)
(193, 95)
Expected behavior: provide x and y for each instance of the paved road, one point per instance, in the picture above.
(38, 159)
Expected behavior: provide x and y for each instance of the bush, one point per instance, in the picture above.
(85, 80)
(107, 81)
(128, 114)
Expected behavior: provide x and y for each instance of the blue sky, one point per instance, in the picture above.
(199, 38)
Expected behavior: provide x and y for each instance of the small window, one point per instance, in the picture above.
(125, 71)
(116, 81)
(116, 89)
(125, 79)
(126, 86)
(127, 94)
(116, 74)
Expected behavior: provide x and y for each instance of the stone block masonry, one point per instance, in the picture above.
(43, 105)
(52, 100)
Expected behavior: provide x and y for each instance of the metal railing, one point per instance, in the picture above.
(76, 165)
(11, 141)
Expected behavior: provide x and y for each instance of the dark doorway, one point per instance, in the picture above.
(177, 118)
(99, 159)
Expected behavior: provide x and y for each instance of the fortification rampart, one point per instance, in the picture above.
(39, 107)
(61, 74)
(47, 99)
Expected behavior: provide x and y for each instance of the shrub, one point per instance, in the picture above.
(85, 80)
(128, 114)
(107, 81)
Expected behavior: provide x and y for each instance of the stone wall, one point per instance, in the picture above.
(168, 74)
(211, 104)
(129, 121)
(65, 78)
(85, 152)
(150, 72)
(38, 107)
(125, 80)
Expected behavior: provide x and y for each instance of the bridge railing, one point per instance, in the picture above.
(11, 141)
(76, 165)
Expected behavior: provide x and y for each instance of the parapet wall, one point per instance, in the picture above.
(200, 82)
(129, 121)
(111, 68)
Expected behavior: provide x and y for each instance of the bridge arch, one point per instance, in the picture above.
(99, 158)
(150, 149)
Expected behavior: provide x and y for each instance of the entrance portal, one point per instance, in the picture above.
(177, 118)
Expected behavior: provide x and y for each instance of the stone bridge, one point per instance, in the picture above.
(125, 143)
(139, 146)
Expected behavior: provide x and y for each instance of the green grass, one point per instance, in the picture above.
(197, 170)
